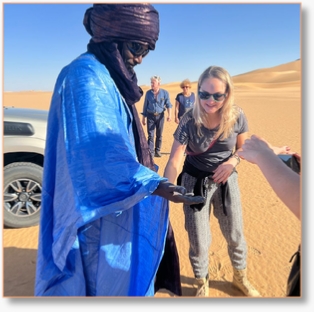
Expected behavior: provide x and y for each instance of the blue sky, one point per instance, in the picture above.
(40, 39)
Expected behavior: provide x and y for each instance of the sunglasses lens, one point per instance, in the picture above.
(145, 52)
(204, 95)
(137, 49)
(216, 96)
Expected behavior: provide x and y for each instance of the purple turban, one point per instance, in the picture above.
(123, 22)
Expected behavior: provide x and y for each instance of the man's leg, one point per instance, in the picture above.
(160, 119)
(151, 125)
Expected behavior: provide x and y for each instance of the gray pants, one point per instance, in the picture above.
(198, 226)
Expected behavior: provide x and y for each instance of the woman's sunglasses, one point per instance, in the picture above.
(137, 49)
(217, 97)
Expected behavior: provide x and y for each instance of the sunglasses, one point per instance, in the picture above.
(137, 49)
(185, 87)
(217, 97)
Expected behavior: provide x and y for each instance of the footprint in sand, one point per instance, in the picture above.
(254, 250)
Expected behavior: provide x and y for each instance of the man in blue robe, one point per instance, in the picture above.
(105, 210)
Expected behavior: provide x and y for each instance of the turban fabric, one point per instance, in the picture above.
(109, 25)
(123, 22)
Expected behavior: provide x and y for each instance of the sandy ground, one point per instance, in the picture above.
(271, 99)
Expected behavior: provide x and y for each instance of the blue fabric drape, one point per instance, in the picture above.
(101, 233)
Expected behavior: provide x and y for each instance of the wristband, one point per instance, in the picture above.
(237, 157)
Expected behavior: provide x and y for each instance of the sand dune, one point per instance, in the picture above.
(272, 231)
(282, 76)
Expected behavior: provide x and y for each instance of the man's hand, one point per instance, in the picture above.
(176, 194)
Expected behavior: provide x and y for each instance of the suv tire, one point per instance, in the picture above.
(22, 194)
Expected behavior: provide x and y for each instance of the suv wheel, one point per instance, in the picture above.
(22, 194)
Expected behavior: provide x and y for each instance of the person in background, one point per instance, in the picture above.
(156, 102)
(211, 134)
(286, 183)
(104, 227)
(184, 100)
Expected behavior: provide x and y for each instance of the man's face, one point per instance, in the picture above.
(133, 54)
(154, 84)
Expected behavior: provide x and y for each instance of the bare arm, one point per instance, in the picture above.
(176, 112)
(170, 191)
(174, 163)
(240, 141)
(169, 114)
(284, 181)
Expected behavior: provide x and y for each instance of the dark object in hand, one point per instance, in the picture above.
(291, 161)
(176, 194)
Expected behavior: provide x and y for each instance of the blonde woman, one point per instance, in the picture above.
(211, 134)
(184, 100)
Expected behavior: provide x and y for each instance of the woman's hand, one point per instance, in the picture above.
(223, 171)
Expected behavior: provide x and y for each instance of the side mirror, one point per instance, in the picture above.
(291, 161)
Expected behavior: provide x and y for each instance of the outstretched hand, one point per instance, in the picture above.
(281, 149)
(254, 148)
(176, 194)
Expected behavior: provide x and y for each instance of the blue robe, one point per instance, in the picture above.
(101, 232)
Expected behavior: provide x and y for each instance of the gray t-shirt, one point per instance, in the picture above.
(207, 160)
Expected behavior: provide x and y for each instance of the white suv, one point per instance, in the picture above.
(23, 158)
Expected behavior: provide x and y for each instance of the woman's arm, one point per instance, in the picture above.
(176, 112)
(234, 160)
(175, 160)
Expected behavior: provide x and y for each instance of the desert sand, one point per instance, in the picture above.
(271, 99)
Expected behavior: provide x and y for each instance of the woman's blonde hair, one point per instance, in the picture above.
(229, 111)
(185, 82)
